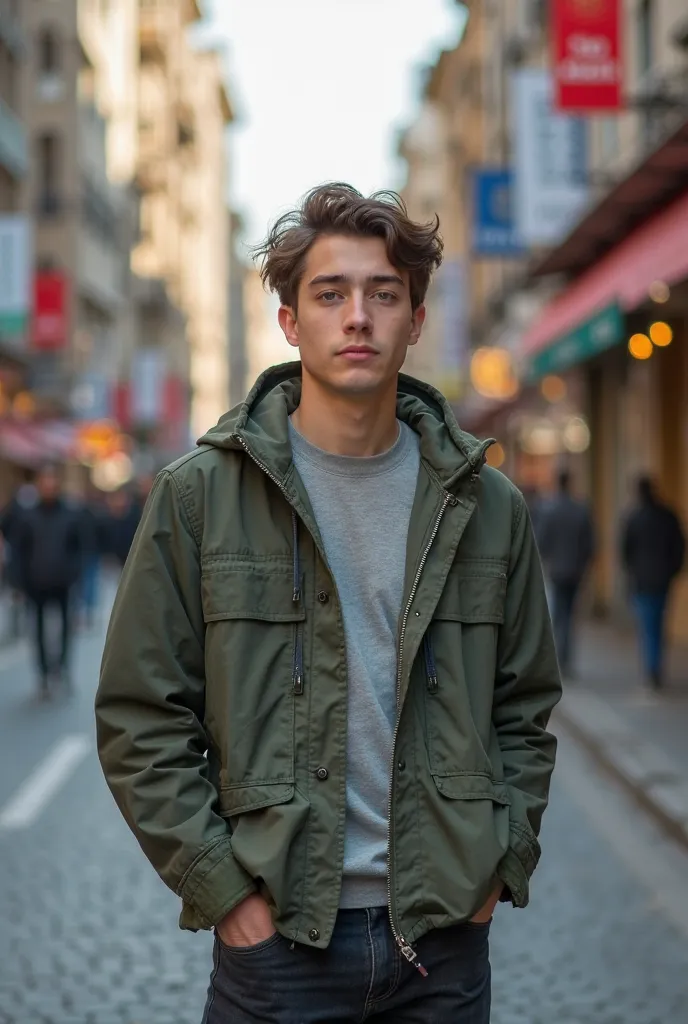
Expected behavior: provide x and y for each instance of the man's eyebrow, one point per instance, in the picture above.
(345, 279)
(328, 279)
(386, 279)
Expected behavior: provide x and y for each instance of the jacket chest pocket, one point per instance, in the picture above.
(252, 629)
(460, 660)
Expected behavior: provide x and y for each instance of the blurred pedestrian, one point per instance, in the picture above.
(566, 539)
(324, 694)
(26, 497)
(95, 548)
(653, 550)
(121, 522)
(50, 549)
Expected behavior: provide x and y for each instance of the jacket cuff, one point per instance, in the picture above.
(213, 886)
(516, 867)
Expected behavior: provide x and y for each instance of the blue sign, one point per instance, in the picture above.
(494, 228)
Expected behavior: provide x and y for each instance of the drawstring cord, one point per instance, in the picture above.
(297, 673)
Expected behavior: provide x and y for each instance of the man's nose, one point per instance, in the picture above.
(357, 318)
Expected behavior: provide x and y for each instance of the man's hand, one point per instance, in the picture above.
(485, 913)
(249, 923)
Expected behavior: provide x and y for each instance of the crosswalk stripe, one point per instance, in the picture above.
(45, 780)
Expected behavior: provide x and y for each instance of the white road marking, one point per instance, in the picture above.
(35, 792)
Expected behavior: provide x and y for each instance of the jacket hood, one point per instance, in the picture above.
(260, 425)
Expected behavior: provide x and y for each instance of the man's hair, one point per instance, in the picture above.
(564, 481)
(339, 209)
(645, 488)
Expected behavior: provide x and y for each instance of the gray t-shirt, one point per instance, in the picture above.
(363, 507)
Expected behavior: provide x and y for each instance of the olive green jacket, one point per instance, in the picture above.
(222, 705)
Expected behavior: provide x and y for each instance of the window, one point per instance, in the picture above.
(48, 53)
(49, 82)
(48, 172)
(645, 36)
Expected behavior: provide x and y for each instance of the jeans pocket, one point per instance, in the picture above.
(257, 947)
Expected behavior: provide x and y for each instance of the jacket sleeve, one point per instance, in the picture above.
(149, 715)
(527, 687)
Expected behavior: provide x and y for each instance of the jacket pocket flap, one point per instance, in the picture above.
(472, 787)
(240, 799)
(473, 593)
(250, 592)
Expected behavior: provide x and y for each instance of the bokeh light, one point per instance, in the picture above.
(659, 291)
(492, 373)
(496, 456)
(640, 346)
(553, 388)
(661, 334)
(576, 435)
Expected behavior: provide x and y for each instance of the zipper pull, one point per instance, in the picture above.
(409, 953)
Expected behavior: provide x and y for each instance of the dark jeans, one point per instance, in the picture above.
(563, 605)
(650, 610)
(48, 661)
(360, 976)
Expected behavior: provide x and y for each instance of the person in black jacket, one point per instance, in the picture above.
(50, 546)
(566, 539)
(652, 549)
(123, 515)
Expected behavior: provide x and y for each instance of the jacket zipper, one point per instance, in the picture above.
(407, 950)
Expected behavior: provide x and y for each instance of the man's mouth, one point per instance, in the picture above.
(358, 352)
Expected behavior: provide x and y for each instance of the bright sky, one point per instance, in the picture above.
(321, 88)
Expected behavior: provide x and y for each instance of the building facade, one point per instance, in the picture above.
(83, 223)
(181, 170)
(560, 314)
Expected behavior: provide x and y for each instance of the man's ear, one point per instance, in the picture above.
(287, 321)
(417, 321)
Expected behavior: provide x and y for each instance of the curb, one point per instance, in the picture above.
(655, 782)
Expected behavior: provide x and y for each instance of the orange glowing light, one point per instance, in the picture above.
(640, 346)
(661, 334)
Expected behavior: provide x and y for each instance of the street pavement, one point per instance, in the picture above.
(88, 934)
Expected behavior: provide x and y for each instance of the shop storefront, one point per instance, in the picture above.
(621, 326)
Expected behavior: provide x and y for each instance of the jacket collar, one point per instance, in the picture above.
(260, 426)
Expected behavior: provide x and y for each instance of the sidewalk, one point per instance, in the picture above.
(638, 735)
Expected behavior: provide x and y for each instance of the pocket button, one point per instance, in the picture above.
(323, 597)
(322, 774)
(314, 935)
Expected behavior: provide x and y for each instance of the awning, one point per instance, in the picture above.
(32, 444)
(649, 187)
(589, 339)
(658, 250)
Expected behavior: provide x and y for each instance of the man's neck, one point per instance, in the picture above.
(358, 426)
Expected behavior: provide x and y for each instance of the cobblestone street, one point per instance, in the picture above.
(89, 934)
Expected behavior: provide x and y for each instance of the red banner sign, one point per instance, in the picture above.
(49, 311)
(588, 66)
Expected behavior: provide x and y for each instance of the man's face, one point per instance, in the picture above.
(48, 485)
(354, 321)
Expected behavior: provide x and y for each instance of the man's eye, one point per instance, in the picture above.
(385, 296)
(329, 296)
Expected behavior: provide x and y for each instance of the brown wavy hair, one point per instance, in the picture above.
(339, 209)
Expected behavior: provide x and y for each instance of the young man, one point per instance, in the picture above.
(329, 670)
